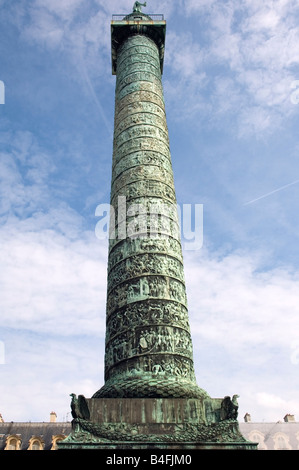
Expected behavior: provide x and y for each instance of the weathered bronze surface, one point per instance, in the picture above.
(148, 341)
(147, 423)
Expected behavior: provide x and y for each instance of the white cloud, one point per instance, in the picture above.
(51, 283)
(192, 6)
(270, 400)
(183, 86)
(53, 271)
(184, 55)
(276, 407)
(44, 28)
(64, 9)
(53, 298)
(41, 370)
(232, 298)
(25, 172)
(253, 44)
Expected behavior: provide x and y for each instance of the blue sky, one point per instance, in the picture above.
(232, 108)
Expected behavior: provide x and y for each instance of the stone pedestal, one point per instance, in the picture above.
(149, 423)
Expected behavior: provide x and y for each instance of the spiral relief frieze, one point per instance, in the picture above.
(142, 158)
(140, 107)
(148, 342)
(139, 96)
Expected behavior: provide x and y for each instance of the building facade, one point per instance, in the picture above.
(281, 435)
(32, 436)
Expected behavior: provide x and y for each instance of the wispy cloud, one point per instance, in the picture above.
(281, 188)
(95, 97)
(252, 44)
(51, 283)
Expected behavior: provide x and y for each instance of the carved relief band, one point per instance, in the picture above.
(155, 173)
(142, 159)
(132, 108)
(142, 118)
(141, 144)
(120, 249)
(139, 96)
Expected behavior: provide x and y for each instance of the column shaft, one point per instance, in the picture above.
(148, 342)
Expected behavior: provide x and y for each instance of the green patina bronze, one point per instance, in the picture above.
(137, 7)
(148, 341)
(150, 397)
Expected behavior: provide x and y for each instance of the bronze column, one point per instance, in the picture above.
(148, 341)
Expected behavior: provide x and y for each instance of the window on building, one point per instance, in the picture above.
(281, 442)
(13, 443)
(257, 436)
(56, 439)
(36, 443)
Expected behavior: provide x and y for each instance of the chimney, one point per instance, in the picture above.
(289, 418)
(1, 419)
(53, 417)
(247, 418)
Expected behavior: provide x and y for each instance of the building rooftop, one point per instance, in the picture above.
(30, 435)
(281, 435)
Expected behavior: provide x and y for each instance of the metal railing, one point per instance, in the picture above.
(124, 17)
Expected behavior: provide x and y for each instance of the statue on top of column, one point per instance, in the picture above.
(137, 7)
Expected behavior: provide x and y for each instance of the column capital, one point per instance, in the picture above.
(122, 27)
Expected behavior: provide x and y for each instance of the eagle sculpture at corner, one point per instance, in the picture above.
(79, 407)
(229, 408)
